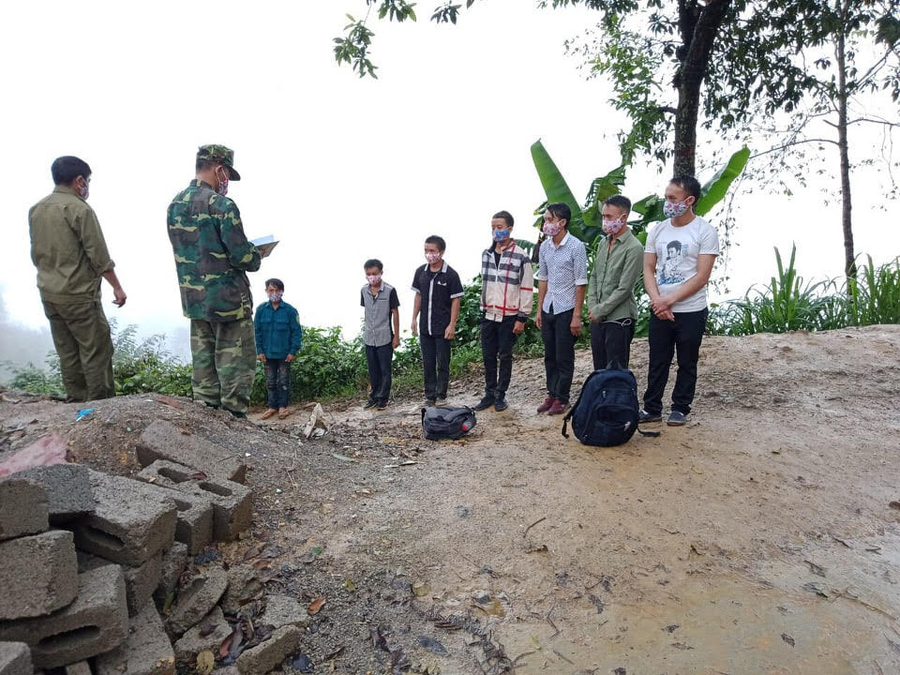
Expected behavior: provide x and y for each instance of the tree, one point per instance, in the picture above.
(689, 43)
(854, 58)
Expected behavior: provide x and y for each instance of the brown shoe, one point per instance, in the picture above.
(546, 405)
(271, 412)
(558, 408)
(283, 413)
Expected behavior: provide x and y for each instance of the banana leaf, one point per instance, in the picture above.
(716, 188)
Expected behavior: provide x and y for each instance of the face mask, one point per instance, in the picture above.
(674, 209)
(613, 227)
(275, 297)
(552, 229)
(501, 235)
(222, 187)
(373, 279)
(432, 258)
(84, 190)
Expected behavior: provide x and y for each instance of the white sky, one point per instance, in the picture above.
(339, 169)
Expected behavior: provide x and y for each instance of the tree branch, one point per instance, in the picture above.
(791, 144)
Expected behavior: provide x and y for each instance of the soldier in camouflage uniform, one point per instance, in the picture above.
(212, 258)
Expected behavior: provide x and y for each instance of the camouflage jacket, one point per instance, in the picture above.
(212, 255)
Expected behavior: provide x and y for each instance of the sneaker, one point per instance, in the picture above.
(484, 403)
(369, 404)
(644, 417)
(558, 407)
(500, 405)
(429, 403)
(546, 405)
(440, 401)
(382, 405)
(676, 419)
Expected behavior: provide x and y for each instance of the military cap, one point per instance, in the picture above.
(221, 155)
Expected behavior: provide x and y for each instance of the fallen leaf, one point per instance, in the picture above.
(199, 475)
(315, 606)
(432, 645)
(420, 589)
(225, 647)
(343, 458)
(349, 585)
(787, 638)
(206, 661)
(894, 505)
(168, 400)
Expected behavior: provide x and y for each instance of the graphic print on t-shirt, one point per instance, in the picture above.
(671, 263)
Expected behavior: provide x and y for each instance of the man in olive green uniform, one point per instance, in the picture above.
(212, 257)
(70, 254)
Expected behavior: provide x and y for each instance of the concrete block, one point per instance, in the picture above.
(23, 507)
(194, 526)
(95, 622)
(209, 634)
(68, 487)
(140, 582)
(131, 522)
(174, 562)
(15, 659)
(243, 587)
(197, 599)
(231, 502)
(38, 574)
(80, 668)
(146, 651)
(283, 610)
(268, 655)
(163, 440)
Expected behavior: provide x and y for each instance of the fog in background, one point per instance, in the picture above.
(337, 168)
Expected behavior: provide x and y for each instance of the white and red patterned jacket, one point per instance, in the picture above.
(507, 289)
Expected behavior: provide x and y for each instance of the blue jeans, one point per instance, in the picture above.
(278, 382)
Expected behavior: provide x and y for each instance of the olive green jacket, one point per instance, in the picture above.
(616, 271)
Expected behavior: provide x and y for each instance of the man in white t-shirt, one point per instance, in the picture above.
(678, 259)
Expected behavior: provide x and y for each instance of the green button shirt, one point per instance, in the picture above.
(616, 271)
(212, 255)
(67, 247)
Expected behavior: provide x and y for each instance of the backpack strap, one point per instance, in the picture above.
(648, 434)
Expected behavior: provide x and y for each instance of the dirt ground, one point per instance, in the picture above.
(760, 538)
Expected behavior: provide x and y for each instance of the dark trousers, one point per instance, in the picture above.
(379, 361)
(611, 343)
(81, 337)
(497, 340)
(436, 361)
(682, 337)
(559, 353)
(278, 382)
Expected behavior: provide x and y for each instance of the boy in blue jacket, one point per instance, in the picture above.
(278, 339)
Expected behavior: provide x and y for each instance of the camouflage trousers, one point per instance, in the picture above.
(81, 337)
(224, 359)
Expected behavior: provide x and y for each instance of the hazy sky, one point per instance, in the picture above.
(339, 169)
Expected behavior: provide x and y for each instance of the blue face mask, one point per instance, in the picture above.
(501, 235)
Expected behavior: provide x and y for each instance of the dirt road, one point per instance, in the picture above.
(758, 539)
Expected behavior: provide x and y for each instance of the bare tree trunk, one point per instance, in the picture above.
(698, 25)
(846, 201)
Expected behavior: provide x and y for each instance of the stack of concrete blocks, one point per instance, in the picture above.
(84, 555)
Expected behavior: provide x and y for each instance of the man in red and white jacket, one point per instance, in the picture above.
(507, 295)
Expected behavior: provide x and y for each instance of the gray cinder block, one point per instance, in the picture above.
(95, 622)
(146, 651)
(38, 574)
(163, 440)
(15, 659)
(268, 655)
(68, 487)
(231, 502)
(23, 507)
(130, 523)
(140, 582)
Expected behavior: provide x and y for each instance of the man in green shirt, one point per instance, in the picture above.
(212, 258)
(70, 254)
(617, 267)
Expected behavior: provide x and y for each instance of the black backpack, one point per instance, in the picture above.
(606, 413)
(447, 423)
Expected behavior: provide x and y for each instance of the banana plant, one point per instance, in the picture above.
(586, 220)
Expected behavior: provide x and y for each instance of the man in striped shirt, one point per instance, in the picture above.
(507, 294)
(562, 281)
